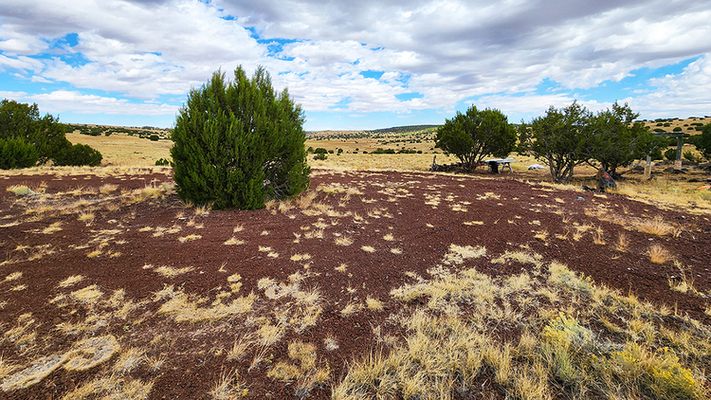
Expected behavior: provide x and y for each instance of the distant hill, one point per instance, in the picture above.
(404, 129)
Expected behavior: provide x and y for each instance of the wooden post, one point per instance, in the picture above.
(679, 144)
(648, 167)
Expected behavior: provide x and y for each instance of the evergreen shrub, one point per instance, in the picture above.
(239, 143)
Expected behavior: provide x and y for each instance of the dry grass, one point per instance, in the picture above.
(368, 249)
(658, 254)
(233, 241)
(622, 243)
(343, 241)
(228, 387)
(554, 354)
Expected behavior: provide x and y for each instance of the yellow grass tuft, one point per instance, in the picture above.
(89, 295)
(373, 304)
(368, 249)
(189, 238)
(300, 257)
(658, 254)
(233, 241)
(170, 272)
(13, 276)
(343, 241)
(228, 388)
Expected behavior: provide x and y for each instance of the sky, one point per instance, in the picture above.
(355, 65)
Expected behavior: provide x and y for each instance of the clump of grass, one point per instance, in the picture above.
(228, 387)
(599, 236)
(685, 282)
(343, 241)
(170, 272)
(458, 254)
(300, 257)
(189, 238)
(13, 276)
(233, 241)
(373, 304)
(657, 226)
(54, 227)
(622, 243)
(368, 249)
(658, 254)
(86, 217)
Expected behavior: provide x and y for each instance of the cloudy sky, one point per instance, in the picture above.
(363, 64)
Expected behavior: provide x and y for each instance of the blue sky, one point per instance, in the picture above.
(358, 65)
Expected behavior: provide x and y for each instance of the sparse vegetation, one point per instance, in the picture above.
(440, 306)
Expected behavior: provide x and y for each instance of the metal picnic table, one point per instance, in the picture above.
(496, 164)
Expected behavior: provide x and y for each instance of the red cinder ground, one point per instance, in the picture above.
(508, 213)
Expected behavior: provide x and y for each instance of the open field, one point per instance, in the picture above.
(373, 284)
(382, 281)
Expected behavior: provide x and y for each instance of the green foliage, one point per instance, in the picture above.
(616, 140)
(477, 134)
(560, 138)
(15, 153)
(239, 143)
(154, 138)
(77, 155)
(670, 154)
(691, 157)
(162, 162)
(570, 136)
(677, 129)
(45, 134)
(703, 143)
(320, 150)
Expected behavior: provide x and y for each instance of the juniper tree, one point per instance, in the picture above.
(239, 143)
(476, 134)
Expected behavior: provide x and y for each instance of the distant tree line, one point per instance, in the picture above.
(148, 132)
(28, 139)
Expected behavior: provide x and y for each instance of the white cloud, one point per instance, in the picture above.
(63, 101)
(446, 50)
(682, 95)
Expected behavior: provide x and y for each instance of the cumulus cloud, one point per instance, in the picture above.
(62, 101)
(358, 57)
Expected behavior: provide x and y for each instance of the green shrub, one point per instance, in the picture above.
(154, 138)
(238, 144)
(15, 153)
(46, 134)
(476, 134)
(703, 141)
(78, 155)
(162, 162)
(691, 157)
(670, 154)
(677, 129)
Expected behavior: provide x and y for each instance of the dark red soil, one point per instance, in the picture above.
(195, 354)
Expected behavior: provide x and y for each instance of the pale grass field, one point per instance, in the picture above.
(123, 150)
